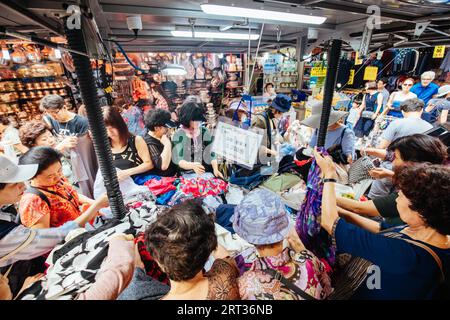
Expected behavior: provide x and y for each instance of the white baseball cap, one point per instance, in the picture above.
(13, 173)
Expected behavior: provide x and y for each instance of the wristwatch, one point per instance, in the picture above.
(329, 180)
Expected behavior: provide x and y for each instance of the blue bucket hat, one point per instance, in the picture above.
(261, 218)
(282, 103)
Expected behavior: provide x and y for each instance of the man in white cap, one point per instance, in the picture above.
(16, 241)
(437, 108)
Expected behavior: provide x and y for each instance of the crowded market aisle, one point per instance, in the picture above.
(232, 189)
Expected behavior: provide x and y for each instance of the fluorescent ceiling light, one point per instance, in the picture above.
(261, 14)
(173, 70)
(215, 35)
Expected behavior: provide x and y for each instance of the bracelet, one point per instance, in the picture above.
(329, 180)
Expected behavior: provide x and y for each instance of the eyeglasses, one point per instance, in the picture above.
(427, 79)
(408, 84)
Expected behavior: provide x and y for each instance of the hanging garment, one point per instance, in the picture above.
(74, 264)
(308, 219)
(86, 155)
(134, 118)
(445, 65)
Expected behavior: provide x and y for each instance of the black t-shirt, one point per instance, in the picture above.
(155, 147)
(75, 127)
(387, 207)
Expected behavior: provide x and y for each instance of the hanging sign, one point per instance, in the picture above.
(358, 60)
(351, 77)
(318, 72)
(439, 52)
(236, 144)
(370, 73)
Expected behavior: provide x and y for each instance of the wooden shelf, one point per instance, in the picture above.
(59, 88)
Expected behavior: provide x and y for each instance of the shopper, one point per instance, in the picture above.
(269, 90)
(370, 109)
(36, 133)
(410, 124)
(381, 87)
(411, 260)
(10, 144)
(192, 143)
(426, 89)
(398, 97)
(181, 241)
(437, 109)
(62, 122)
(130, 152)
(134, 117)
(268, 121)
(338, 136)
(354, 113)
(159, 145)
(13, 235)
(278, 273)
(50, 201)
(405, 151)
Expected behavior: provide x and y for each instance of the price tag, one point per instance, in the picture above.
(439, 52)
(351, 77)
(318, 72)
(358, 61)
(370, 73)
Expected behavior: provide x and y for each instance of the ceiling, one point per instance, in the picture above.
(345, 20)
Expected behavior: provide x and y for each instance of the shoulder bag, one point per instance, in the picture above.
(278, 276)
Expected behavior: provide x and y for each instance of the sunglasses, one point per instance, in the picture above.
(408, 84)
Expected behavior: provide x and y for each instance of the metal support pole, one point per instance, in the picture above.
(101, 142)
(330, 83)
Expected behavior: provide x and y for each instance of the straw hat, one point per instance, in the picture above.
(316, 112)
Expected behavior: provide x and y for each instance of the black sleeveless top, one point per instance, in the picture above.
(129, 158)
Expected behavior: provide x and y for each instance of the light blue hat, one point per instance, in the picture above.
(261, 218)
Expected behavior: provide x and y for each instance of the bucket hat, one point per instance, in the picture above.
(261, 218)
(282, 103)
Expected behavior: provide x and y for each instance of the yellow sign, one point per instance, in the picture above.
(351, 77)
(318, 72)
(370, 73)
(439, 52)
(358, 61)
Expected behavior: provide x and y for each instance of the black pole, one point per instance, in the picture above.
(102, 146)
(330, 83)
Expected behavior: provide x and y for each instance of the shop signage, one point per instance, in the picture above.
(370, 73)
(439, 52)
(289, 66)
(351, 77)
(318, 72)
(358, 60)
(272, 64)
(236, 144)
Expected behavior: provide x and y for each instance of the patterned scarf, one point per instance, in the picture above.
(308, 227)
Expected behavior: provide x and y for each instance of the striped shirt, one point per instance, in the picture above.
(45, 240)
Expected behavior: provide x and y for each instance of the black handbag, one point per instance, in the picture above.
(335, 151)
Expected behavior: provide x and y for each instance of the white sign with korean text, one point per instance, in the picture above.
(236, 144)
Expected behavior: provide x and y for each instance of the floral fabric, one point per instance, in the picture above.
(303, 269)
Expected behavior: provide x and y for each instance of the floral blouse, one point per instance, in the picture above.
(303, 269)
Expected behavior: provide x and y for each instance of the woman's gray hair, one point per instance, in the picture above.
(428, 74)
(52, 102)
